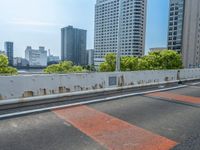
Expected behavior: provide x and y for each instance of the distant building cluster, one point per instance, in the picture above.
(33, 58)
(120, 27)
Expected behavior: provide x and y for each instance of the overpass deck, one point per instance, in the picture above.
(158, 121)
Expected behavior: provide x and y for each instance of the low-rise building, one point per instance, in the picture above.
(20, 62)
(2, 53)
(158, 49)
(36, 58)
(52, 58)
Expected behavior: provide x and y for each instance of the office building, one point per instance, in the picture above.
(184, 30)
(176, 17)
(8, 46)
(36, 58)
(120, 25)
(90, 54)
(73, 45)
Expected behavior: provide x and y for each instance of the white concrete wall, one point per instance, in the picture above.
(36, 85)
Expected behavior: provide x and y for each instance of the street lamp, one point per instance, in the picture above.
(118, 69)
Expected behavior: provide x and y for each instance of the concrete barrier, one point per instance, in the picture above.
(23, 86)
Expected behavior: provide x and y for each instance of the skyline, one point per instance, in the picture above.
(41, 24)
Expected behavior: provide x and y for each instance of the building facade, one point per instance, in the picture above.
(9, 50)
(175, 29)
(191, 37)
(52, 58)
(20, 62)
(36, 58)
(184, 30)
(90, 55)
(119, 24)
(73, 45)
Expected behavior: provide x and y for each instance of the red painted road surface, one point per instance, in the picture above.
(111, 132)
(175, 97)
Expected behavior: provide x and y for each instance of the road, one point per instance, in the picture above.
(158, 121)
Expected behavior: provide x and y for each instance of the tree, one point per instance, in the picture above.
(158, 60)
(171, 60)
(105, 67)
(143, 63)
(64, 67)
(129, 63)
(3, 61)
(4, 68)
(90, 68)
(154, 60)
(109, 64)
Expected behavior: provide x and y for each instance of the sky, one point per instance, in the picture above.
(38, 22)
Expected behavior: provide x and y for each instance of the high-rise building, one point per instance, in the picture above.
(176, 17)
(119, 24)
(8, 46)
(184, 30)
(36, 58)
(73, 45)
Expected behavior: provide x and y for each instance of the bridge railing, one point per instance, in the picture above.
(29, 85)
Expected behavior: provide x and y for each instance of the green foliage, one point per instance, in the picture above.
(109, 64)
(158, 60)
(4, 68)
(171, 60)
(3, 61)
(64, 67)
(129, 63)
(90, 68)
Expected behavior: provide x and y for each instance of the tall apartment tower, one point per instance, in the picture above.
(184, 30)
(73, 45)
(8, 46)
(130, 35)
(176, 18)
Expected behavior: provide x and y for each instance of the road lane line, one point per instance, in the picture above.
(111, 132)
(175, 97)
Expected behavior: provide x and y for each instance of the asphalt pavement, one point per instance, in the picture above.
(146, 122)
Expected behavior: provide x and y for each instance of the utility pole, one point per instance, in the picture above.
(118, 69)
